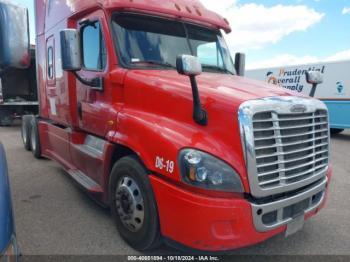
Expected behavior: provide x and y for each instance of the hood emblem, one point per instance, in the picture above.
(298, 108)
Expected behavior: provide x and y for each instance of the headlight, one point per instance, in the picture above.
(203, 170)
(11, 252)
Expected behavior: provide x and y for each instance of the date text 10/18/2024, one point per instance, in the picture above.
(173, 258)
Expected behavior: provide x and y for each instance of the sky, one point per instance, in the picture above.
(279, 33)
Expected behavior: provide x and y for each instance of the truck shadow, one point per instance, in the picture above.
(16, 123)
(341, 137)
(85, 198)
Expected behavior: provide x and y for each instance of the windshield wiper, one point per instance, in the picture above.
(217, 68)
(153, 62)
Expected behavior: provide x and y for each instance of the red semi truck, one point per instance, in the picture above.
(142, 105)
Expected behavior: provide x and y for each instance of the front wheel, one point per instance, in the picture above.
(133, 205)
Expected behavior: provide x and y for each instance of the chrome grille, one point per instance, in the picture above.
(289, 147)
(284, 150)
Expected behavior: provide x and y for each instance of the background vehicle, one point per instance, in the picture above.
(18, 92)
(8, 242)
(334, 92)
(141, 103)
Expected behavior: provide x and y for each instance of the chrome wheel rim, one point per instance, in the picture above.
(129, 203)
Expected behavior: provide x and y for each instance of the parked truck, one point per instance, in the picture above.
(143, 106)
(334, 91)
(18, 92)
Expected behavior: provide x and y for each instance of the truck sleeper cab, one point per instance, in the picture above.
(211, 161)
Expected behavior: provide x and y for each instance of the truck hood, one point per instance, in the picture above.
(222, 88)
(239, 89)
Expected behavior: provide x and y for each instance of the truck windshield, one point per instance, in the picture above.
(144, 42)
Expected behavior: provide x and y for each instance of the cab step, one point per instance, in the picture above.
(85, 181)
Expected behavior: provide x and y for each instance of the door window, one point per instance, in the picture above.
(94, 48)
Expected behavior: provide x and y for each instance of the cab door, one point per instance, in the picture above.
(92, 104)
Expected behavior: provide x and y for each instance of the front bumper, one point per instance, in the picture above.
(281, 212)
(218, 224)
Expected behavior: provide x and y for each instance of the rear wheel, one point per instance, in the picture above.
(34, 139)
(335, 131)
(133, 205)
(25, 131)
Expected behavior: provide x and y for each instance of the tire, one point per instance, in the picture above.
(336, 131)
(133, 205)
(25, 131)
(35, 139)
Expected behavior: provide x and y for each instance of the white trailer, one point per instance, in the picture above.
(335, 90)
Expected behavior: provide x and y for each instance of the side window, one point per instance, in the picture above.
(94, 48)
(50, 71)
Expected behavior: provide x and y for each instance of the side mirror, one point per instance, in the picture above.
(240, 64)
(14, 36)
(70, 50)
(71, 58)
(188, 65)
(314, 78)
